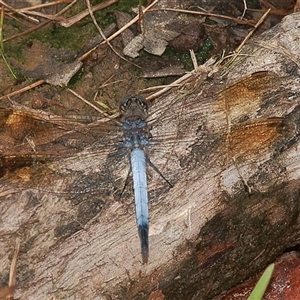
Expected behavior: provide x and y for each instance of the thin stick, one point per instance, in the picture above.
(13, 269)
(45, 16)
(72, 20)
(40, 25)
(249, 35)
(158, 87)
(96, 108)
(42, 5)
(128, 24)
(206, 67)
(245, 9)
(103, 36)
(252, 31)
(18, 12)
(176, 83)
(194, 59)
(8, 290)
(239, 21)
(26, 88)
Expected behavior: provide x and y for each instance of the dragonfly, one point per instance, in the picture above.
(136, 137)
(194, 125)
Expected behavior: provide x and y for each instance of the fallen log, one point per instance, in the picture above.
(233, 207)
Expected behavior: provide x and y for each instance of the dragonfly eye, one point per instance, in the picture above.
(142, 102)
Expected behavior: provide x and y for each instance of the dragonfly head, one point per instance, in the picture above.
(133, 107)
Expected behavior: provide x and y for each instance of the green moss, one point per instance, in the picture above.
(127, 5)
(253, 3)
(72, 38)
(202, 55)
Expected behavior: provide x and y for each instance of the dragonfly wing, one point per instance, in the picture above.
(50, 146)
(215, 120)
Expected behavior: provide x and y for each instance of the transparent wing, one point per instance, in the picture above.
(29, 138)
(186, 130)
(230, 124)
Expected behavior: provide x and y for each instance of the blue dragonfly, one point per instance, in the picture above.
(134, 110)
(179, 125)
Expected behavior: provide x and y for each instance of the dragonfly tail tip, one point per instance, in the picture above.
(144, 238)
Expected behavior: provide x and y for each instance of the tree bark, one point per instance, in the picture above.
(233, 209)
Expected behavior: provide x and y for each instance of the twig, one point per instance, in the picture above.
(176, 82)
(95, 107)
(27, 31)
(13, 269)
(194, 59)
(72, 20)
(237, 51)
(236, 20)
(26, 88)
(245, 9)
(9, 290)
(157, 87)
(39, 14)
(40, 25)
(39, 6)
(136, 18)
(18, 12)
(207, 66)
(103, 36)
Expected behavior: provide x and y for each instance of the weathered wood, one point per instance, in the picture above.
(234, 206)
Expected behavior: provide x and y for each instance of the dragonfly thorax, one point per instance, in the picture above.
(136, 133)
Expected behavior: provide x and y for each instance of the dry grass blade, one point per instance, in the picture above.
(9, 290)
(135, 19)
(207, 67)
(1, 44)
(236, 20)
(112, 118)
(103, 36)
(6, 291)
(26, 88)
(41, 24)
(252, 31)
(13, 270)
(245, 9)
(72, 20)
(43, 5)
(249, 35)
(194, 59)
(39, 14)
(18, 12)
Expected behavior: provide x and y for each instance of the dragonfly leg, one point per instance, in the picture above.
(158, 172)
(126, 182)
